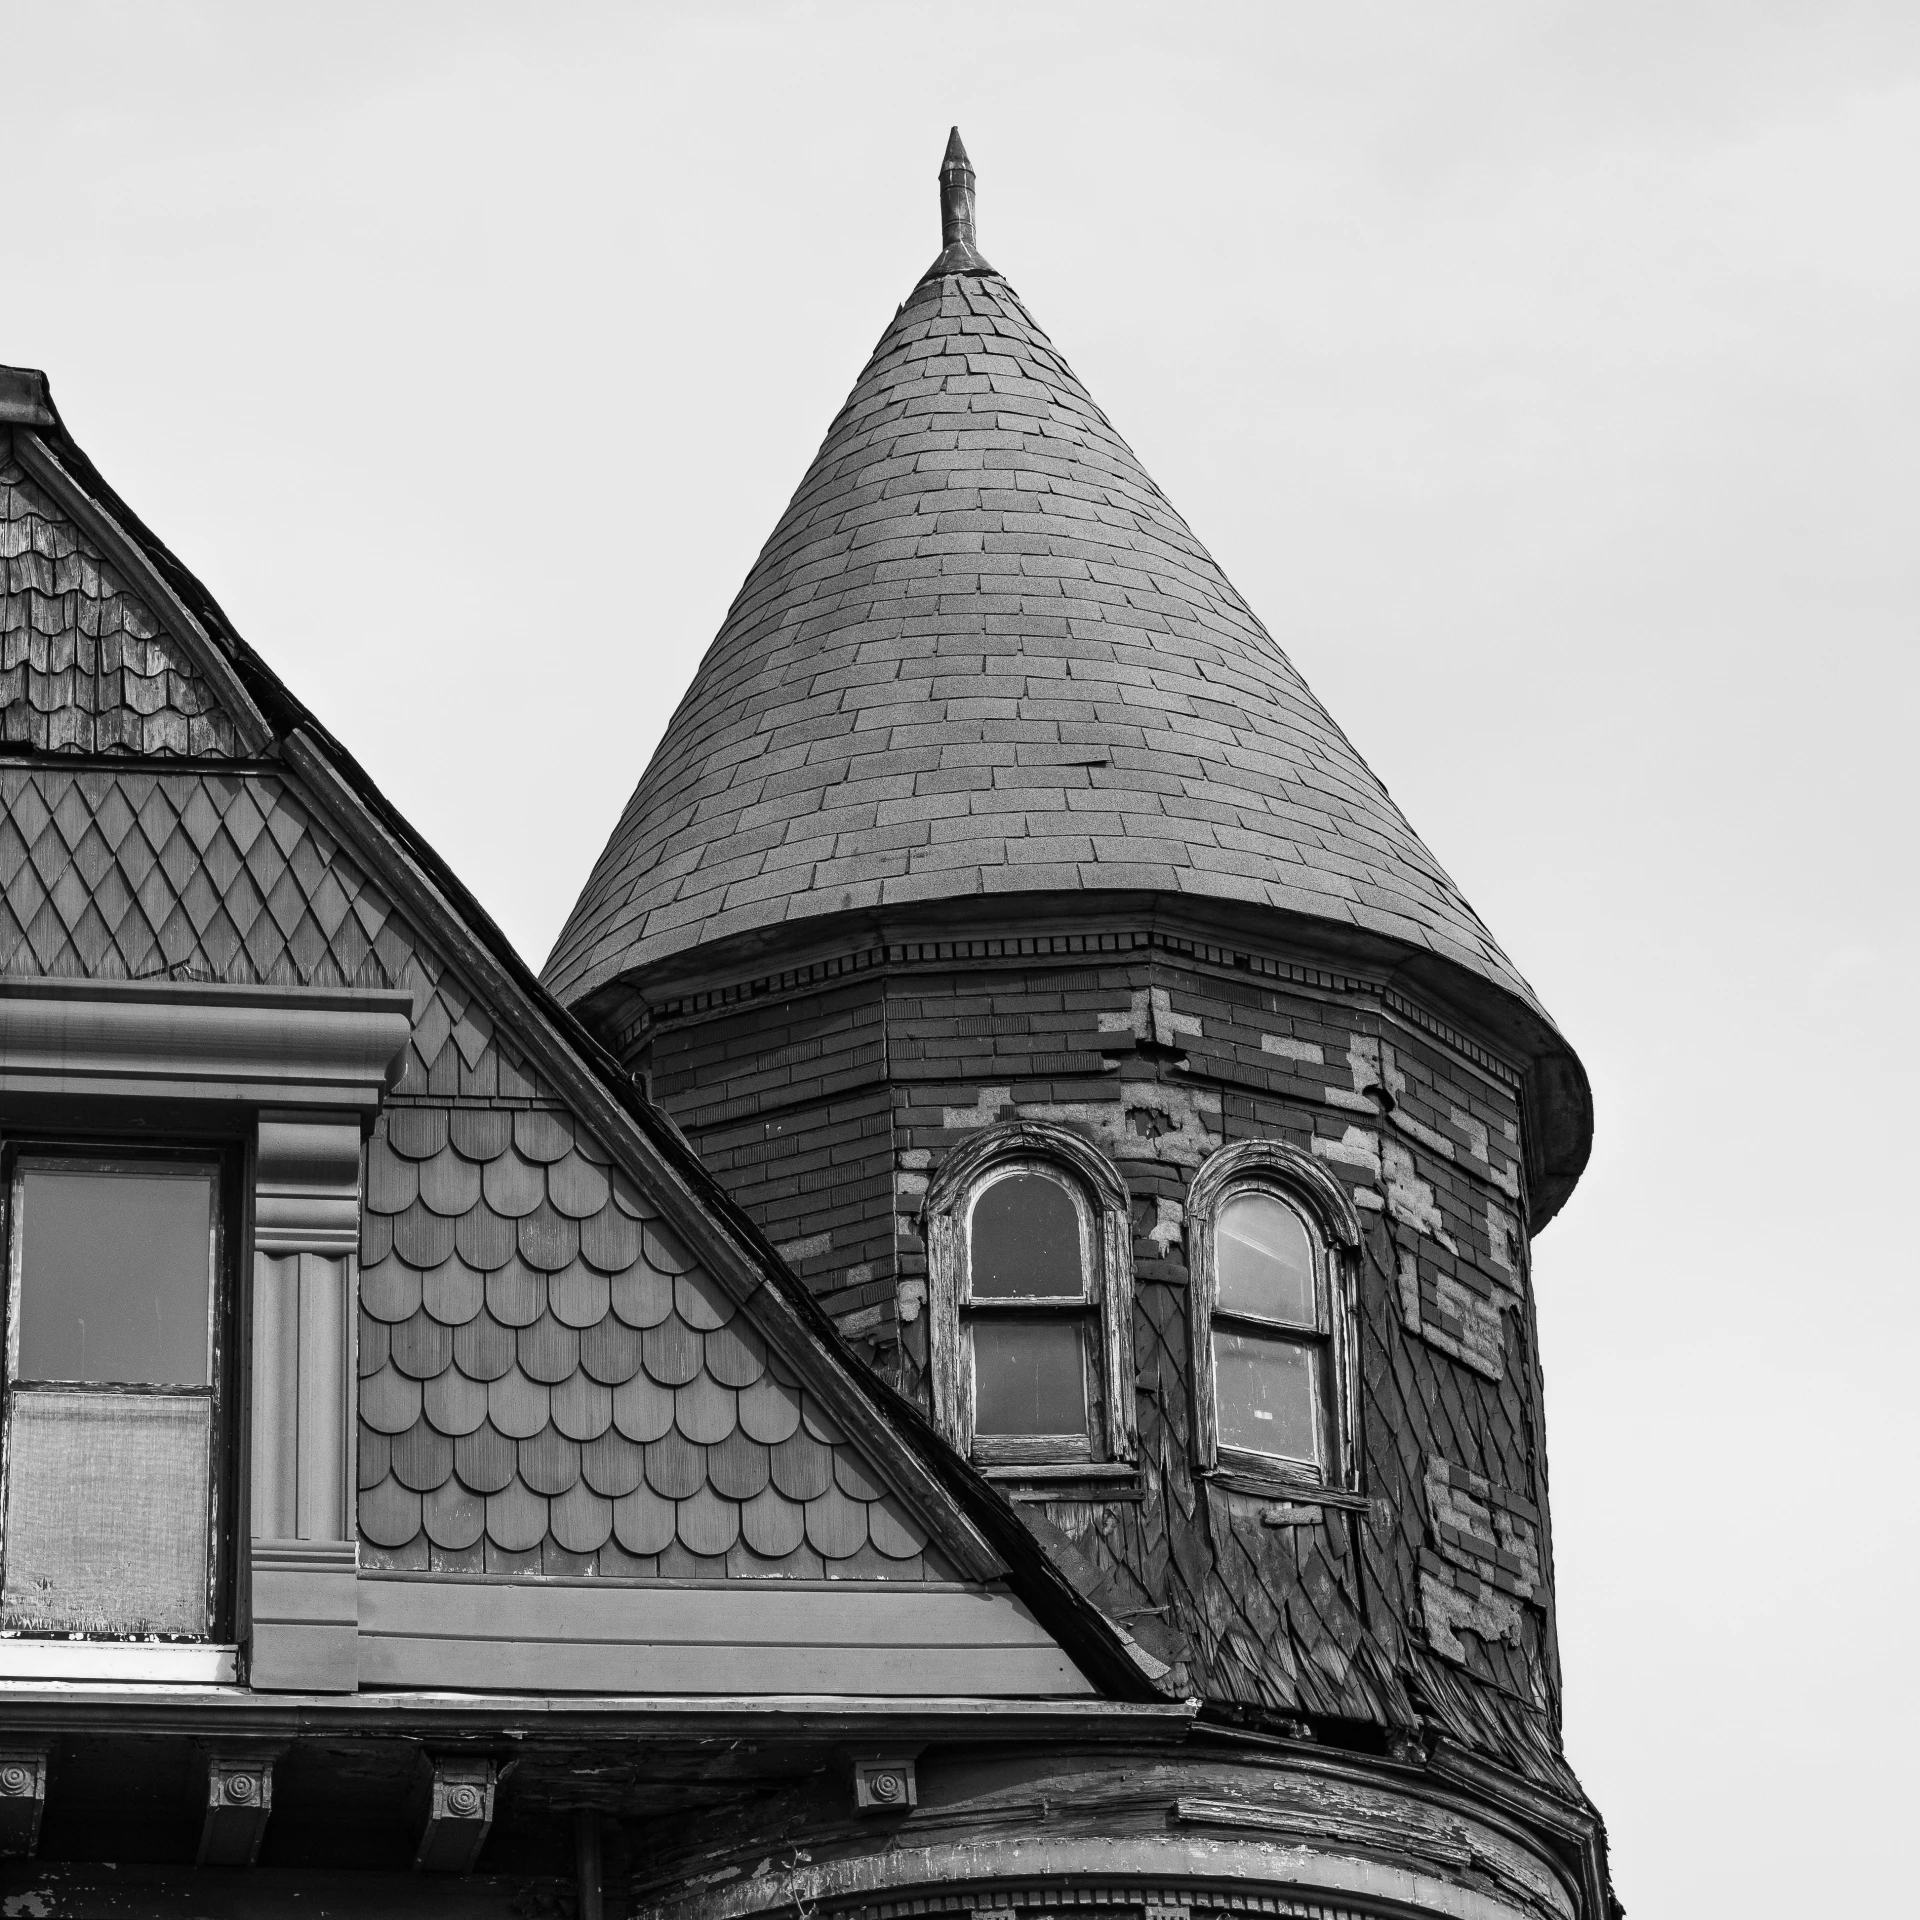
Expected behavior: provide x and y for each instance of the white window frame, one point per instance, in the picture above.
(1100, 1198)
(1268, 1166)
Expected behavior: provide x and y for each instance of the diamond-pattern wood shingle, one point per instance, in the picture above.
(84, 665)
(982, 653)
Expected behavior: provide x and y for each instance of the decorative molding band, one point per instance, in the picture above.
(331, 1047)
(1065, 947)
(1197, 1870)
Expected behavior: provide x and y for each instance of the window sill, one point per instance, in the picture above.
(189, 1663)
(1067, 1480)
(1275, 1486)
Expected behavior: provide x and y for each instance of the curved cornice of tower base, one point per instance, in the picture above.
(1163, 1873)
(1559, 1099)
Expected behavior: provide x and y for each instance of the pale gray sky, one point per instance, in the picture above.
(1545, 376)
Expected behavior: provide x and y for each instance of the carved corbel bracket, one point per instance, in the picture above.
(459, 1815)
(238, 1805)
(23, 1798)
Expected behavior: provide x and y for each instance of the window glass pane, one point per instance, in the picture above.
(1264, 1257)
(115, 1275)
(1024, 1241)
(106, 1513)
(1268, 1394)
(1028, 1377)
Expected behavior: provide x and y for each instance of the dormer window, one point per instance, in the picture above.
(1269, 1233)
(1031, 1270)
(113, 1411)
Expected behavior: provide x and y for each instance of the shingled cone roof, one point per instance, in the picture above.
(982, 654)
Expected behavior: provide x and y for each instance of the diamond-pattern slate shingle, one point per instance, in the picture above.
(547, 1385)
(982, 653)
(84, 665)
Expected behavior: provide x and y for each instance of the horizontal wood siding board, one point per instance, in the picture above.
(737, 1615)
(707, 1667)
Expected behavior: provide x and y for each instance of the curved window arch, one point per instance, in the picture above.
(1030, 1269)
(1271, 1237)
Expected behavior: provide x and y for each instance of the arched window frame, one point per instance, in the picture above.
(1101, 1196)
(1334, 1226)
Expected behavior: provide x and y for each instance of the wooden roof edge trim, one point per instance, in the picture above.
(133, 562)
(1576, 1826)
(231, 1710)
(729, 1247)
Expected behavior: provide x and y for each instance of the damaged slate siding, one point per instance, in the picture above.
(84, 665)
(826, 1102)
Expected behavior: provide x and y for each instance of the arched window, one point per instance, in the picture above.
(1030, 1297)
(1270, 1235)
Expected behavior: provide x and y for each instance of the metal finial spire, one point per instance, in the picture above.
(959, 253)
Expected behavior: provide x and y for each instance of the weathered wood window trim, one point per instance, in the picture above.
(222, 1158)
(1269, 1166)
(294, 1072)
(1104, 1457)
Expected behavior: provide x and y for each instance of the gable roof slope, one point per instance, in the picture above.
(971, 1520)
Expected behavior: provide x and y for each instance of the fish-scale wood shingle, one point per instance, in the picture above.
(981, 653)
(550, 1384)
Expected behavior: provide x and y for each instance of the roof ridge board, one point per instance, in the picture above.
(1104, 1651)
(129, 555)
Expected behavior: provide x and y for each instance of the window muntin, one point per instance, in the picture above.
(112, 1404)
(1028, 1315)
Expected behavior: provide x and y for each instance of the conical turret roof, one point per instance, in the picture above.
(982, 654)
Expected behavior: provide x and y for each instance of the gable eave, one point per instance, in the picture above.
(972, 1522)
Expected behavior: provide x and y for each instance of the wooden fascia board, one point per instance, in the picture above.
(732, 1263)
(129, 558)
(209, 1712)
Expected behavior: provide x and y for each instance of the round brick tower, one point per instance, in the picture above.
(1030, 954)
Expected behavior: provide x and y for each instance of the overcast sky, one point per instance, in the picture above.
(1546, 377)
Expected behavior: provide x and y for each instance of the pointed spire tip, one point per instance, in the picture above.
(959, 242)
